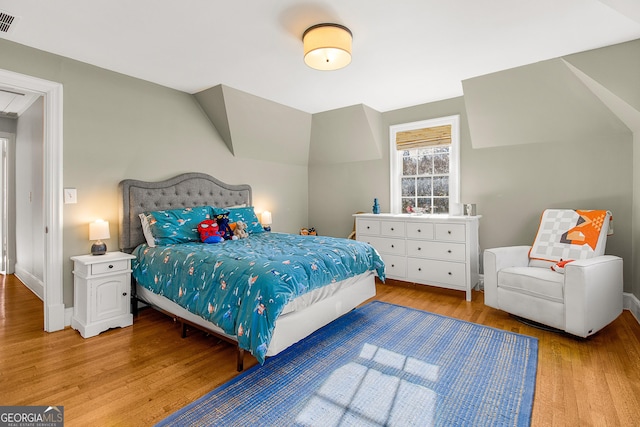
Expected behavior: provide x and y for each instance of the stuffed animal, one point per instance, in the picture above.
(241, 230)
(210, 232)
(223, 224)
(559, 267)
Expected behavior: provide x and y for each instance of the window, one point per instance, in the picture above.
(425, 166)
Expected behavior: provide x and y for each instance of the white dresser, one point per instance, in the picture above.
(437, 250)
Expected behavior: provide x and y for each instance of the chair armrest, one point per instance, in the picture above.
(593, 294)
(495, 260)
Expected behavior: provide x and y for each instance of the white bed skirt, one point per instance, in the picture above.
(300, 317)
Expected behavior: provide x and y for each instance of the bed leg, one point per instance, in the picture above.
(240, 359)
(184, 330)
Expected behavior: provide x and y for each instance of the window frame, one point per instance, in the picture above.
(395, 162)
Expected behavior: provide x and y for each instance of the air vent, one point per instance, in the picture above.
(7, 22)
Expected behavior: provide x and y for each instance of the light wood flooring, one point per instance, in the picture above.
(138, 375)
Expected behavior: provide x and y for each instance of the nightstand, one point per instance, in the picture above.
(101, 285)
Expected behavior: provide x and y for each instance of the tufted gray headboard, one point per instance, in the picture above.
(186, 190)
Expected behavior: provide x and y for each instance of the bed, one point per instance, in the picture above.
(264, 292)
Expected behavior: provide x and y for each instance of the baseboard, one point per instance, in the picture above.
(632, 303)
(68, 313)
(30, 281)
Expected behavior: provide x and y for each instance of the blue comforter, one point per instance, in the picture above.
(243, 285)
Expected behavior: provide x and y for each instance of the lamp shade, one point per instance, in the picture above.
(266, 218)
(99, 230)
(327, 46)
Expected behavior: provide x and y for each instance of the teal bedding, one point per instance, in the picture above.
(243, 285)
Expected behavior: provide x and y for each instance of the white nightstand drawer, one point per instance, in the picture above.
(436, 250)
(109, 267)
(392, 228)
(451, 232)
(420, 230)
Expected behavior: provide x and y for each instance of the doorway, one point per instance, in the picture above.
(54, 311)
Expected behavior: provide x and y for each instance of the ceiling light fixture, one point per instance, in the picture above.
(327, 46)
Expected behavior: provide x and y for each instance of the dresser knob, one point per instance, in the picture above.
(419, 231)
(449, 231)
(368, 227)
(419, 269)
(419, 248)
(392, 228)
(110, 265)
(392, 246)
(449, 273)
(449, 251)
(393, 265)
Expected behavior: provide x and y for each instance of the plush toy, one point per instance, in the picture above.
(241, 230)
(210, 232)
(223, 224)
(559, 267)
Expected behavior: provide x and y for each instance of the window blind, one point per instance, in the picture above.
(425, 137)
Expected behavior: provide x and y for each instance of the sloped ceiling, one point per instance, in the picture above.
(256, 128)
(347, 134)
(550, 102)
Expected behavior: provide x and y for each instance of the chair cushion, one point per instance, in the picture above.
(569, 234)
(538, 282)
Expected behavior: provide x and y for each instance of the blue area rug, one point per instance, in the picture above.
(382, 365)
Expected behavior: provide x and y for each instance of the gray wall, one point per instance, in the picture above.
(511, 182)
(118, 127)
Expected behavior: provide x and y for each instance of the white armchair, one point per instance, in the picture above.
(583, 300)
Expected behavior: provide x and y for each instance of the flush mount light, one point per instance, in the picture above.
(327, 46)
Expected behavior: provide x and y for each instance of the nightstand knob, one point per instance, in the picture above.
(449, 231)
(392, 228)
(110, 265)
(449, 273)
(124, 294)
(449, 251)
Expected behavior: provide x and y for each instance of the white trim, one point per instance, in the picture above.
(455, 207)
(632, 303)
(30, 281)
(54, 311)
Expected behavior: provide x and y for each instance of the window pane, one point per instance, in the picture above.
(441, 163)
(407, 202)
(441, 205)
(424, 186)
(408, 187)
(441, 186)
(425, 164)
(409, 165)
(424, 202)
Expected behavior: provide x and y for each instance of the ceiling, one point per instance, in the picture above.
(405, 52)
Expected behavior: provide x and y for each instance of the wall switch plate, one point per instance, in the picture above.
(70, 195)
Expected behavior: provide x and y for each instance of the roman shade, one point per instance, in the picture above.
(425, 137)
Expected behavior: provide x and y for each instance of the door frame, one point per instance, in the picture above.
(54, 311)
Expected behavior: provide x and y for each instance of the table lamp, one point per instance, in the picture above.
(266, 220)
(97, 231)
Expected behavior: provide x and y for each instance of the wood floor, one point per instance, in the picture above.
(138, 375)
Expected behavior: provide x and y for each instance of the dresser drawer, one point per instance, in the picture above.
(420, 230)
(430, 271)
(385, 245)
(109, 267)
(392, 228)
(396, 265)
(367, 226)
(436, 250)
(450, 232)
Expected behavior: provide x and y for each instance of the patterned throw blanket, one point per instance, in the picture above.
(566, 234)
(243, 285)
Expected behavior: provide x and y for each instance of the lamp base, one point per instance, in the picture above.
(99, 248)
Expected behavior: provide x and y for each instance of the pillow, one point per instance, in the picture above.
(177, 225)
(245, 214)
(146, 230)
